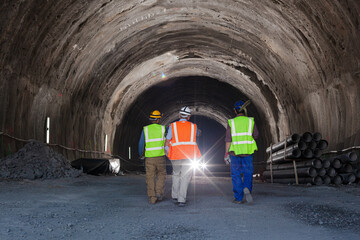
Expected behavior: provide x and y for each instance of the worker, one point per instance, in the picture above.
(152, 140)
(181, 148)
(241, 133)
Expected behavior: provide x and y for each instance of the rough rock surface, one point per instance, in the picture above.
(99, 68)
(36, 160)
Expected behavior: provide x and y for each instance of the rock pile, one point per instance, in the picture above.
(36, 160)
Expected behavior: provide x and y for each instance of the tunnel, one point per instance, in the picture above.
(212, 103)
(97, 69)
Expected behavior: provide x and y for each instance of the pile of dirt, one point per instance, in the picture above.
(36, 160)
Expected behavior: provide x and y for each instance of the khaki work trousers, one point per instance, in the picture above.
(155, 168)
(181, 178)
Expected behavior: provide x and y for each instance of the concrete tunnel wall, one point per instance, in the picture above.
(85, 64)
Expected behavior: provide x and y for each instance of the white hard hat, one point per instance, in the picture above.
(185, 111)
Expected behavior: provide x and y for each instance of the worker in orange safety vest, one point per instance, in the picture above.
(181, 148)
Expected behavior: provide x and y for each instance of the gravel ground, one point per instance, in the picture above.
(116, 207)
(329, 216)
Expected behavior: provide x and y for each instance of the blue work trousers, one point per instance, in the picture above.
(241, 165)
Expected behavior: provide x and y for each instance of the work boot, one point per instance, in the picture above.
(182, 204)
(248, 196)
(238, 202)
(152, 200)
(159, 198)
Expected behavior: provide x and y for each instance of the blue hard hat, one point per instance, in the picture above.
(238, 104)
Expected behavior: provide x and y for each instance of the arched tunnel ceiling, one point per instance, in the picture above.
(84, 63)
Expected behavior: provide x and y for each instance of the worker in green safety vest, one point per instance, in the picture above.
(152, 141)
(240, 145)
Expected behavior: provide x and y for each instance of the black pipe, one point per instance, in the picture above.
(346, 168)
(337, 180)
(316, 180)
(295, 138)
(326, 179)
(326, 163)
(357, 173)
(317, 152)
(300, 145)
(296, 153)
(353, 156)
(331, 172)
(307, 153)
(321, 172)
(336, 163)
(347, 157)
(306, 137)
(348, 178)
(312, 144)
(316, 163)
(317, 136)
(356, 165)
(288, 173)
(322, 144)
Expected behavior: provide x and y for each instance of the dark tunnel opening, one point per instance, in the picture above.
(212, 103)
(212, 144)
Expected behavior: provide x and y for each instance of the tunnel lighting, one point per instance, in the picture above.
(106, 139)
(196, 164)
(203, 165)
(48, 130)
(129, 152)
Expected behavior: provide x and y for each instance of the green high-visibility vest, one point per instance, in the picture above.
(154, 140)
(241, 133)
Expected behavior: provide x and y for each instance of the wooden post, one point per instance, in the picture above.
(296, 175)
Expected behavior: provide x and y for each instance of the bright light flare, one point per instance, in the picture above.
(203, 165)
(196, 165)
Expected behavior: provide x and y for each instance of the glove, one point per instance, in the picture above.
(227, 159)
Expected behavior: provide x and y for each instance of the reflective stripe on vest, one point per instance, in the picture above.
(183, 143)
(176, 143)
(233, 130)
(154, 147)
(235, 134)
(242, 141)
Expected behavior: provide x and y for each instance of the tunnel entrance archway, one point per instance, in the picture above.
(211, 100)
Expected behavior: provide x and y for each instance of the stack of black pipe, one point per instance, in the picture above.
(344, 168)
(306, 150)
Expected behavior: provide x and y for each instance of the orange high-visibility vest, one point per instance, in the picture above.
(183, 142)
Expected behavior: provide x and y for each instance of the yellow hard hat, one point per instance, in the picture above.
(155, 114)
